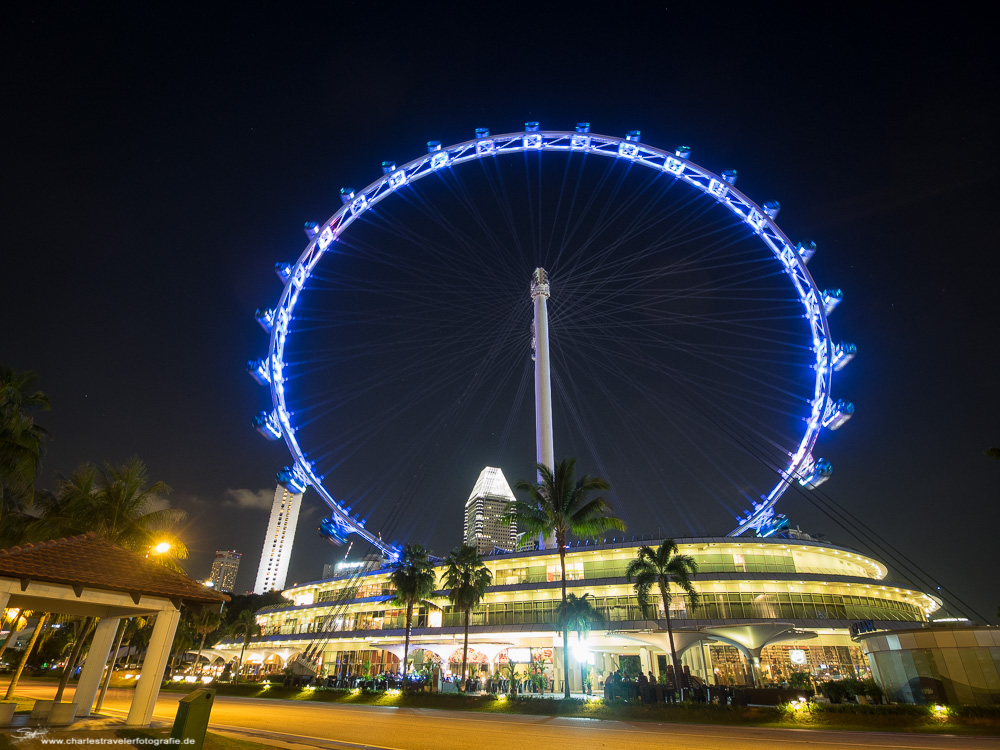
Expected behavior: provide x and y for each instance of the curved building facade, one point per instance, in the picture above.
(768, 608)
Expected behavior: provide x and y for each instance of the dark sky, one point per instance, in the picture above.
(158, 160)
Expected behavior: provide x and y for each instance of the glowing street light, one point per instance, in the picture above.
(158, 549)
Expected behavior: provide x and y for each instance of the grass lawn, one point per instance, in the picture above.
(24, 703)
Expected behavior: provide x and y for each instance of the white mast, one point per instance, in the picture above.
(544, 451)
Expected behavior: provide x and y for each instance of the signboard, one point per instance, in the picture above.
(519, 655)
(862, 626)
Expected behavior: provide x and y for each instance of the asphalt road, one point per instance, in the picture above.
(380, 728)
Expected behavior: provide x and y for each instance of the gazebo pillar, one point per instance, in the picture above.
(147, 687)
(93, 668)
(4, 598)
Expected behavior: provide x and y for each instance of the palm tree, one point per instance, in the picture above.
(559, 505)
(129, 511)
(466, 579)
(413, 578)
(205, 622)
(18, 619)
(184, 639)
(39, 627)
(660, 567)
(22, 442)
(246, 627)
(129, 625)
(84, 630)
(579, 613)
(68, 511)
(118, 504)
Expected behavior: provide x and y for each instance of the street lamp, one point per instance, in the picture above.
(161, 548)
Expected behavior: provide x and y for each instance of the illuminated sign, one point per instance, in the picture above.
(862, 626)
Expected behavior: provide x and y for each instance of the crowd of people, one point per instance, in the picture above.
(645, 688)
(618, 686)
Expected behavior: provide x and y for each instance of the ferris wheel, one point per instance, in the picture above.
(662, 256)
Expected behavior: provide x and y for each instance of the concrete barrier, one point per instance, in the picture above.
(63, 714)
(41, 709)
(7, 713)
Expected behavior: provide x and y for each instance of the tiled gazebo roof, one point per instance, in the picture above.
(87, 561)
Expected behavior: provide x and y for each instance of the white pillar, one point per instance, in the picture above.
(147, 687)
(706, 659)
(93, 668)
(4, 598)
(544, 449)
(644, 663)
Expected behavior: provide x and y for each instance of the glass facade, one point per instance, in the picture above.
(743, 605)
(795, 606)
(940, 665)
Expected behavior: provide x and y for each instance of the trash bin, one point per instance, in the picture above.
(191, 721)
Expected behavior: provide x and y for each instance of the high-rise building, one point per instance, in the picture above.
(278, 541)
(224, 569)
(490, 499)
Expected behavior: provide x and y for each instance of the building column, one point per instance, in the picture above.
(706, 659)
(609, 662)
(93, 668)
(755, 673)
(557, 669)
(644, 666)
(147, 687)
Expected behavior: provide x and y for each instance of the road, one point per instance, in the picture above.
(381, 728)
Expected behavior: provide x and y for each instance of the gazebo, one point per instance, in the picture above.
(88, 576)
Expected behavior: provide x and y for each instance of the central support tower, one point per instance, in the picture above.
(544, 451)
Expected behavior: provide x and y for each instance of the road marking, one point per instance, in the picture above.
(265, 732)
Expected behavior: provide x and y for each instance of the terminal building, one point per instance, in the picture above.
(768, 607)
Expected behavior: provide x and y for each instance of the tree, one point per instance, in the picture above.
(579, 613)
(84, 630)
(184, 639)
(558, 505)
(67, 511)
(129, 625)
(413, 578)
(205, 622)
(466, 579)
(22, 442)
(246, 627)
(660, 568)
(39, 627)
(118, 504)
(18, 619)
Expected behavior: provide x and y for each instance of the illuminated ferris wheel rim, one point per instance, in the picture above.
(801, 467)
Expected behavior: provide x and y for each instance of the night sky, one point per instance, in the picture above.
(159, 160)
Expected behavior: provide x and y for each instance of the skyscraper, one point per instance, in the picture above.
(224, 569)
(490, 499)
(278, 541)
